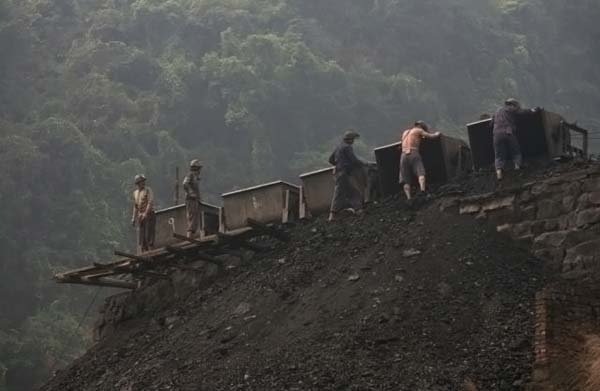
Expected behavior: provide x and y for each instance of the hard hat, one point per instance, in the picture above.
(139, 178)
(512, 102)
(422, 125)
(350, 135)
(195, 164)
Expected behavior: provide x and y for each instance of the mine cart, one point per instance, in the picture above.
(541, 134)
(275, 202)
(173, 220)
(444, 158)
(317, 190)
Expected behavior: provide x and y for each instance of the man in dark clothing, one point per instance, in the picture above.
(192, 197)
(345, 195)
(506, 145)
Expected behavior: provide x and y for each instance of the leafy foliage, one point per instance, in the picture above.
(94, 91)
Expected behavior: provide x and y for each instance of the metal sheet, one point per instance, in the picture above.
(274, 202)
(481, 142)
(388, 164)
(317, 188)
(209, 223)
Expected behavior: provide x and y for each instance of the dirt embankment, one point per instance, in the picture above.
(391, 300)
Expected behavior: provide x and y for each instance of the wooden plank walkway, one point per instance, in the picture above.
(130, 270)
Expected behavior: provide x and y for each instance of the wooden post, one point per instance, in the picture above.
(177, 185)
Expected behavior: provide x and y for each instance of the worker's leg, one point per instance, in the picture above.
(419, 171)
(150, 229)
(143, 235)
(338, 201)
(407, 190)
(422, 183)
(515, 151)
(192, 209)
(499, 154)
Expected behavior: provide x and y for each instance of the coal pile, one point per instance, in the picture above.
(395, 299)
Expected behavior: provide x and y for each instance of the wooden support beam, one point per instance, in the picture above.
(108, 282)
(132, 256)
(197, 242)
(269, 230)
(99, 274)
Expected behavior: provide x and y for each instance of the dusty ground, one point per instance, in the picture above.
(396, 299)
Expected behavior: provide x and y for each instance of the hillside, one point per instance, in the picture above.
(342, 306)
(93, 92)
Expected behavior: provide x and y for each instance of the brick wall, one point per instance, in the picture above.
(566, 314)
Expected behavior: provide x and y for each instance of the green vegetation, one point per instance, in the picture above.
(94, 91)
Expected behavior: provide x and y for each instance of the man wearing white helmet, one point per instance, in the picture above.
(143, 213)
(192, 197)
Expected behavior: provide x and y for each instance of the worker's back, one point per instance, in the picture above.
(411, 140)
(505, 120)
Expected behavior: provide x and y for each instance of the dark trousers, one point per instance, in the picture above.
(506, 147)
(345, 194)
(192, 208)
(146, 230)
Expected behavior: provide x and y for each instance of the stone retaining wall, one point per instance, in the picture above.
(559, 217)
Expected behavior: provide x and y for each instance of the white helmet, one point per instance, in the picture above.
(139, 178)
(195, 164)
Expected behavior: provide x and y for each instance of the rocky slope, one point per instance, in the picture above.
(396, 299)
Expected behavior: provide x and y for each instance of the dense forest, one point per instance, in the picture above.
(93, 92)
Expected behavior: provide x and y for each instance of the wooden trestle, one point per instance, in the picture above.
(130, 270)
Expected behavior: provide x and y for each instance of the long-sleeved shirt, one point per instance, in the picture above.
(505, 119)
(191, 187)
(344, 159)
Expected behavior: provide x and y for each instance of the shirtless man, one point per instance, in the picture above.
(411, 164)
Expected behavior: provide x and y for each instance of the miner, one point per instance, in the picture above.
(143, 213)
(411, 163)
(346, 195)
(506, 144)
(192, 197)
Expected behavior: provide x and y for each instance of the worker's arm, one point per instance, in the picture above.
(354, 161)
(332, 159)
(134, 210)
(150, 204)
(525, 112)
(188, 188)
(425, 134)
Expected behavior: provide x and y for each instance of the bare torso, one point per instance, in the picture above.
(411, 139)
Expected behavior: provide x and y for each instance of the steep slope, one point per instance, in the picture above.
(391, 300)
